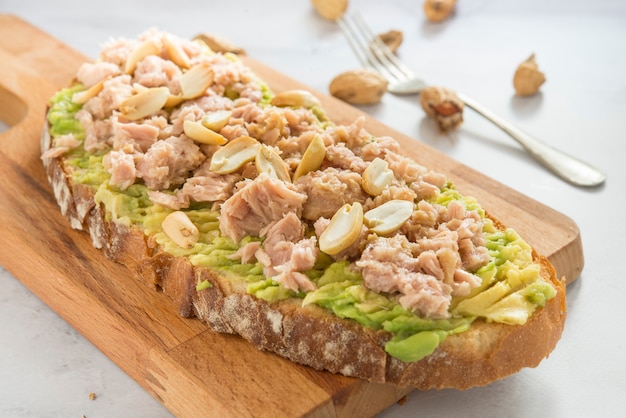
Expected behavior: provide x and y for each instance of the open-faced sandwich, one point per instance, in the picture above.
(320, 242)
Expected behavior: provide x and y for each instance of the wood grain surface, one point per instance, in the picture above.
(188, 368)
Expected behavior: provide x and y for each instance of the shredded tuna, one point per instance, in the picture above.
(256, 205)
(121, 166)
(114, 92)
(62, 144)
(328, 190)
(353, 135)
(388, 266)
(286, 253)
(211, 187)
(154, 71)
(342, 157)
(168, 162)
(90, 74)
(246, 253)
(140, 136)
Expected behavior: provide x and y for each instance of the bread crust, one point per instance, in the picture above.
(310, 335)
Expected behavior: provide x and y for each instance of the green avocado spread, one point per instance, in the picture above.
(510, 290)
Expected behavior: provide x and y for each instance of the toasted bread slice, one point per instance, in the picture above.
(308, 334)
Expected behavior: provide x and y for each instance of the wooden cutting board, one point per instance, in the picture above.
(191, 370)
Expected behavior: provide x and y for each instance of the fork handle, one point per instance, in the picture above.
(565, 166)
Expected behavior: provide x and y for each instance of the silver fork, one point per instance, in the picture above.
(374, 54)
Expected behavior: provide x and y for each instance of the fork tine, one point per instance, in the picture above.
(353, 41)
(382, 51)
(360, 44)
(371, 51)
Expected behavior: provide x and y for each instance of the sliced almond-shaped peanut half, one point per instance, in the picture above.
(216, 120)
(296, 98)
(144, 103)
(149, 47)
(312, 158)
(195, 81)
(174, 100)
(376, 177)
(232, 156)
(269, 162)
(175, 52)
(83, 97)
(389, 216)
(199, 133)
(179, 228)
(343, 230)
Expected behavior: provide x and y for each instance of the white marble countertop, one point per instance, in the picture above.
(47, 369)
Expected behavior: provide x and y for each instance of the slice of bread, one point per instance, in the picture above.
(307, 334)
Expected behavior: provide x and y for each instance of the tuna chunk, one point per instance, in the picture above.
(114, 92)
(91, 73)
(329, 190)
(140, 136)
(424, 281)
(247, 252)
(97, 132)
(258, 204)
(121, 166)
(286, 253)
(154, 71)
(342, 157)
(211, 187)
(168, 162)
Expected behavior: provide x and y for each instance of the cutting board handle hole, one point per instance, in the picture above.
(12, 109)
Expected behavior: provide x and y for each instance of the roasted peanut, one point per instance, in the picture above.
(393, 39)
(330, 9)
(361, 86)
(443, 105)
(528, 79)
(438, 10)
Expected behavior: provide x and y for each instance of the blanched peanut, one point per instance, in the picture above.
(376, 177)
(176, 53)
(296, 98)
(389, 216)
(312, 158)
(197, 80)
(144, 103)
(343, 230)
(216, 120)
(199, 133)
(232, 156)
(179, 228)
(269, 162)
(83, 97)
(149, 47)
